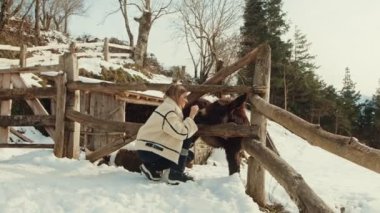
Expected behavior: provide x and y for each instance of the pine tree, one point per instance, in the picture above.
(300, 53)
(302, 88)
(264, 21)
(348, 109)
(366, 122)
(376, 131)
(329, 108)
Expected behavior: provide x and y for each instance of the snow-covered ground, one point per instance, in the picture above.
(36, 181)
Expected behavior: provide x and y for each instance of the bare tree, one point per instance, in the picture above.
(50, 9)
(61, 11)
(149, 14)
(6, 11)
(124, 11)
(207, 27)
(37, 18)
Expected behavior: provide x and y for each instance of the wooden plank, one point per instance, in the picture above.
(256, 173)
(136, 101)
(21, 136)
(110, 88)
(100, 107)
(9, 47)
(5, 107)
(95, 44)
(34, 104)
(106, 50)
(59, 136)
(69, 64)
(119, 55)
(301, 193)
(23, 51)
(32, 146)
(27, 93)
(349, 148)
(109, 148)
(37, 69)
(129, 128)
(118, 46)
(50, 47)
(27, 120)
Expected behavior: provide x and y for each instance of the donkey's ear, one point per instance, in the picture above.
(238, 102)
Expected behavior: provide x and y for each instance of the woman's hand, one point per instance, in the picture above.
(193, 111)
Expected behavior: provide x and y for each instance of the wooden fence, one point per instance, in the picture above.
(68, 119)
(73, 47)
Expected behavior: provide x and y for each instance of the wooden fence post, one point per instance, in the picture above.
(59, 135)
(69, 65)
(256, 173)
(5, 106)
(106, 50)
(23, 52)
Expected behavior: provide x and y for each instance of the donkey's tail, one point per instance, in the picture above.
(105, 160)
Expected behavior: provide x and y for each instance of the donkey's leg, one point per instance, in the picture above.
(232, 149)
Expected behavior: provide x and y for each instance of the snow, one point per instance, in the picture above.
(36, 181)
(33, 180)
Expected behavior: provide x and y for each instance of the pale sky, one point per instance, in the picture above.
(343, 33)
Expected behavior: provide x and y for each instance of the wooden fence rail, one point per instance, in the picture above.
(299, 191)
(27, 120)
(27, 93)
(347, 147)
(129, 128)
(112, 89)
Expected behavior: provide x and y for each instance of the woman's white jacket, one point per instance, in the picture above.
(165, 130)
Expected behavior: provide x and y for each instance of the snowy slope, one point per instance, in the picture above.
(340, 183)
(36, 181)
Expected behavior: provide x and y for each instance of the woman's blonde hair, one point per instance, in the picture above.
(175, 91)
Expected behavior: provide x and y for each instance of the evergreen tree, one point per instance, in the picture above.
(329, 108)
(348, 109)
(366, 122)
(300, 53)
(376, 132)
(264, 21)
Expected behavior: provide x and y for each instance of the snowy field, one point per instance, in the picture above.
(36, 181)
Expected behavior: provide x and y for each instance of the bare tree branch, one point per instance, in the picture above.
(207, 24)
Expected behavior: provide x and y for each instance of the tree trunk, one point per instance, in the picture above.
(4, 13)
(37, 20)
(66, 20)
(145, 23)
(285, 91)
(124, 11)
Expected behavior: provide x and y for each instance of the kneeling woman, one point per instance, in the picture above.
(162, 141)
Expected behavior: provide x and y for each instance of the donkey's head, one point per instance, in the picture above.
(223, 111)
